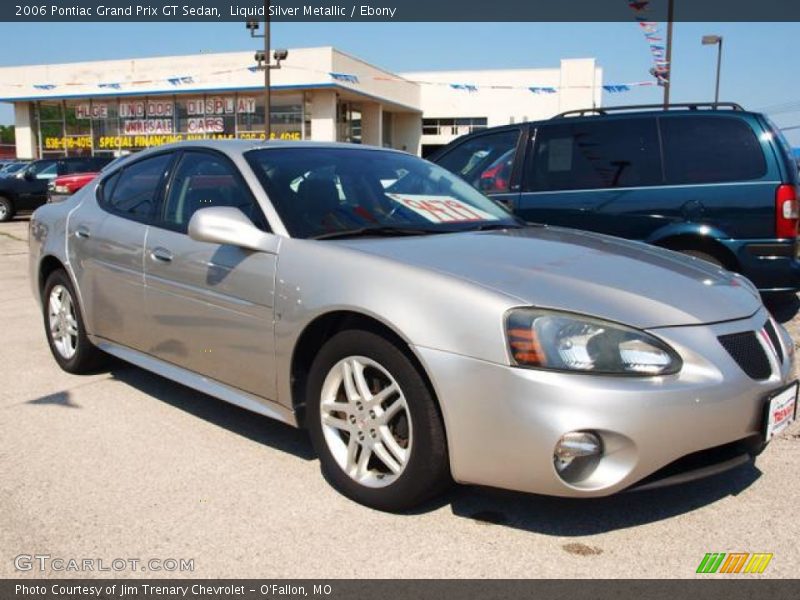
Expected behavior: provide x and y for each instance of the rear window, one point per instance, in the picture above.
(703, 149)
(791, 160)
(594, 154)
(133, 192)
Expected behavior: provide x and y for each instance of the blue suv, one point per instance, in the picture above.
(710, 180)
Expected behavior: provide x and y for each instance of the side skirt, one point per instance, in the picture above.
(203, 384)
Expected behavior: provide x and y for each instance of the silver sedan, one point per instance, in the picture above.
(420, 332)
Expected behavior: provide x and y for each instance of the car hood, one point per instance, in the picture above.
(581, 272)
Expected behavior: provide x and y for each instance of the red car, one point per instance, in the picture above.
(64, 186)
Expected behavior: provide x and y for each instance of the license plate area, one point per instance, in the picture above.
(780, 411)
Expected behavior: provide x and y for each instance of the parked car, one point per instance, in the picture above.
(64, 186)
(27, 189)
(418, 330)
(712, 181)
(11, 168)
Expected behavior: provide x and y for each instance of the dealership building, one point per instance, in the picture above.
(322, 94)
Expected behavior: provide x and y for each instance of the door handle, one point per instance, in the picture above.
(82, 232)
(161, 255)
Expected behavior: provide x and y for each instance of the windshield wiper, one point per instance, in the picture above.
(497, 226)
(386, 231)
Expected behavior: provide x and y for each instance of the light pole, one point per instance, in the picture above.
(668, 79)
(263, 60)
(711, 40)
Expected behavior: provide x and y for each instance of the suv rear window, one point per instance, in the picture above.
(594, 154)
(703, 149)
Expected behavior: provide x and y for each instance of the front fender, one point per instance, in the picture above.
(425, 308)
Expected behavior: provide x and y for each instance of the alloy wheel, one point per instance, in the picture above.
(63, 321)
(366, 421)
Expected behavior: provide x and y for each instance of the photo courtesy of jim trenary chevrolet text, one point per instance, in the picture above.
(399, 299)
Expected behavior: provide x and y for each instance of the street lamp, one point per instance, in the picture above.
(711, 40)
(263, 60)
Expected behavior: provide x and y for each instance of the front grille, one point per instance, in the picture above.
(748, 353)
(775, 339)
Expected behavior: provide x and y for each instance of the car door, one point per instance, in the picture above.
(594, 174)
(32, 183)
(487, 162)
(210, 306)
(106, 236)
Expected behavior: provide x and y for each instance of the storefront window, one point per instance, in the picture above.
(121, 125)
(348, 122)
(50, 126)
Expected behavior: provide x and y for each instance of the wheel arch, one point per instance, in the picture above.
(48, 265)
(322, 328)
(701, 242)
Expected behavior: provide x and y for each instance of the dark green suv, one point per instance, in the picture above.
(711, 180)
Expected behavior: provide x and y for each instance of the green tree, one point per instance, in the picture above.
(7, 134)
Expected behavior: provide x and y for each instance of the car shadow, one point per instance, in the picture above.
(245, 423)
(563, 517)
(574, 517)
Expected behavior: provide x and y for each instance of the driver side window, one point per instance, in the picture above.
(205, 180)
(485, 161)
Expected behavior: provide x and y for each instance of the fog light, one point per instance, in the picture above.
(576, 454)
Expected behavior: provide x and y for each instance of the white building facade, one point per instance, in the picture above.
(121, 106)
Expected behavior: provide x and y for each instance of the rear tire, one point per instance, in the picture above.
(64, 327)
(7, 210)
(704, 256)
(375, 424)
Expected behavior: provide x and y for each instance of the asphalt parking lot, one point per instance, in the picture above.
(125, 464)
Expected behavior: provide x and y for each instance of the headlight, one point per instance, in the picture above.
(567, 342)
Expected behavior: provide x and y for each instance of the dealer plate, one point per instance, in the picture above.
(781, 411)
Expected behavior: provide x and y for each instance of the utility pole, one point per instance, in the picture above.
(670, 15)
(264, 62)
(267, 70)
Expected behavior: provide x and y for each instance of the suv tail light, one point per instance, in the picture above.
(786, 213)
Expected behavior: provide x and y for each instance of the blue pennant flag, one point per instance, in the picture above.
(464, 86)
(617, 88)
(113, 86)
(344, 77)
(180, 80)
(542, 90)
(44, 86)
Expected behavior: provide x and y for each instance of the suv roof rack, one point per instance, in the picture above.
(582, 112)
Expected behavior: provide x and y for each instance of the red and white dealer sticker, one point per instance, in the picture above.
(781, 411)
(442, 209)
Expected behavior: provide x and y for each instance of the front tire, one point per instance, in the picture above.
(64, 327)
(374, 423)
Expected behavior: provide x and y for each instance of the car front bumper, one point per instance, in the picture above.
(503, 423)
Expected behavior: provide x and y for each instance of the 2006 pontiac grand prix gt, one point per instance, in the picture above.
(420, 332)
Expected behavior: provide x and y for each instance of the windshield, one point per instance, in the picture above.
(12, 168)
(321, 191)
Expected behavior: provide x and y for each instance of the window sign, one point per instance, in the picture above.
(147, 126)
(220, 105)
(246, 105)
(160, 108)
(91, 111)
(131, 109)
(206, 125)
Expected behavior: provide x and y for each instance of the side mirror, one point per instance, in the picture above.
(228, 225)
(27, 176)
